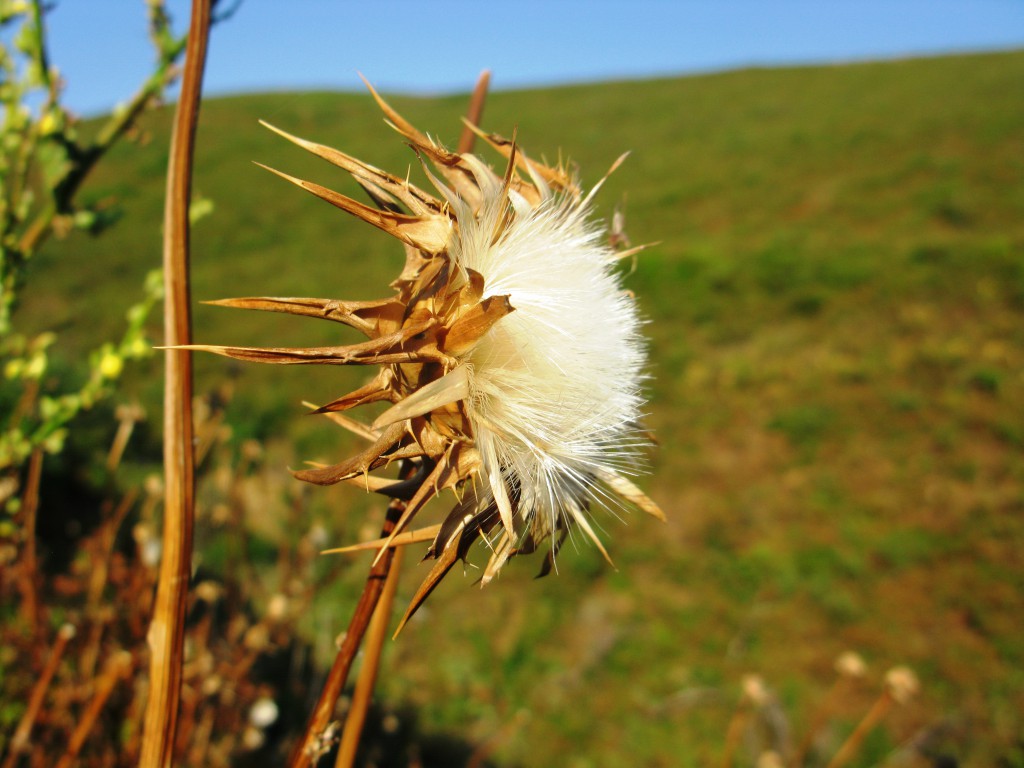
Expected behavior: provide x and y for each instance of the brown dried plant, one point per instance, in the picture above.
(75, 676)
(760, 723)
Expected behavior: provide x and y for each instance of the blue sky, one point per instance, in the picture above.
(439, 46)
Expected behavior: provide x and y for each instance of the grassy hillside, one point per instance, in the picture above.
(836, 316)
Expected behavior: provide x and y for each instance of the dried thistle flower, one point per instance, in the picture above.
(902, 684)
(851, 664)
(509, 352)
(755, 691)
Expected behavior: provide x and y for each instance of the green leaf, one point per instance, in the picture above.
(200, 208)
(53, 162)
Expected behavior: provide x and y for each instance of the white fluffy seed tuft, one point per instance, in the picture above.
(555, 386)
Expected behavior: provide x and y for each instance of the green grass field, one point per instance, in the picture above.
(836, 309)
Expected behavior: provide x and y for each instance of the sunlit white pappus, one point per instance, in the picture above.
(555, 386)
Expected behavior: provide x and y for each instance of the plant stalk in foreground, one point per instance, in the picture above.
(316, 741)
(167, 628)
(356, 717)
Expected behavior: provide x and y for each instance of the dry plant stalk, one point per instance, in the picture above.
(20, 741)
(28, 569)
(754, 696)
(167, 628)
(116, 670)
(80, 708)
(850, 668)
(475, 113)
(734, 733)
(317, 737)
(901, 685)
(356, 717)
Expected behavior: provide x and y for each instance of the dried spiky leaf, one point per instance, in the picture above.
(364, 316)
(418, 201)
(401, 540)
(427, 233)
(627, 491)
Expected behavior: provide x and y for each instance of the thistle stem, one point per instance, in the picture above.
(476, 111)
(167, 629)
(356, 717)
(733, 734)
(312, 745)
(819, 719)
(874, 716)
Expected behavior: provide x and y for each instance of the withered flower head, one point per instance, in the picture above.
(509, 352)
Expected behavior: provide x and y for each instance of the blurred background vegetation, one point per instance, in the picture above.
(835, 312)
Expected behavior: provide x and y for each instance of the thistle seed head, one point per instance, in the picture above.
(509, 354)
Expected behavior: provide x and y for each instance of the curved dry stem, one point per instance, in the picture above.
(167, 628)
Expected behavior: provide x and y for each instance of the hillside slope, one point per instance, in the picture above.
(836, 311)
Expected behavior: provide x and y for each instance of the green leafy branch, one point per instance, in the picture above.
(40, 419)
(44, 160)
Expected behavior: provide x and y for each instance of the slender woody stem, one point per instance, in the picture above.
(167, 629)
(356, 717)
(19, 742)
(86, 157)
(874, 716)
(475, 112)
(117, 669)
(820, 718)
(312, 745)
(29, 567)
(733, 734)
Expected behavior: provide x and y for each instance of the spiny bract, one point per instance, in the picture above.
(509, 352)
